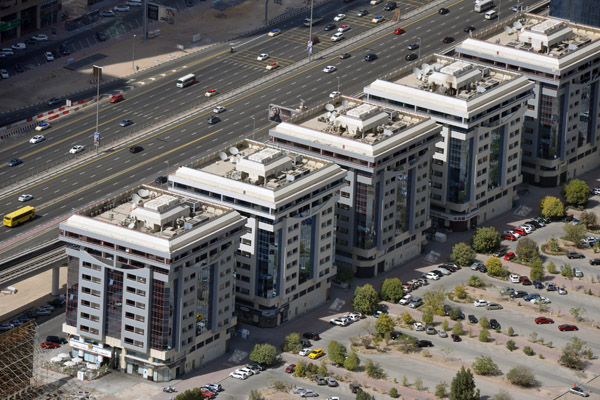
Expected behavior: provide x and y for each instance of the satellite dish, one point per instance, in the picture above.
(143, 193)
(345, 103)
(329, 107)
(417, 72)
(223, 156)
(426, 68)
(517, 25)
(508, 30)
(332, 117)
(233, 150)
(131, 225)
(136, 199)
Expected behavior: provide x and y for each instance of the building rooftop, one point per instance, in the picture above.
(535, 40)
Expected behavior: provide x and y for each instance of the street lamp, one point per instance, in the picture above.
(338, 78)
(419, 47)
(167, 162)
(254, 126)
(133, 52)
(312, 2)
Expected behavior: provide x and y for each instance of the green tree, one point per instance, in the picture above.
(427, 317)
(345, 274)
(445, 325)
(393, 393)
(385, 325)
(463, 386)
(521, 376)
(391, 290)
(460, 292)
(536, 272)
(441, 390)
(589, 219)
(484, 365)
(551, 268)
(322, 369)
(434, 300)
(502, 395)
(475, 281)
(265, 354)
(374, 370)
(407, 318)
(362, 395)
(567, 272)
(528, 351)
(300, 370)
(462, 254)
(495, 268)
(577, 313)
(292, 342)
(484, 322)
(454, 314)
(336, 352)
(484, 335)
(352, 361)
(365, 299)
(551, 207)
(485, 240)
(527, 249)
(574, 233)
(511, 345)
(576, 192)
(458, 329)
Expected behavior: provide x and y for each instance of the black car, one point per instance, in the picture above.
(330, 27)
(31, 41)
(64, 51)
(14, 162)
(136, 149)
(362, 13)
(311, 335)
(469, 28)
(424, 343)
(595, 261)
(413, 46)
(57, 302)
(101, 36)
(535, 223)
(518, 294)
(213, 120)
(482, 268)
(126, 122)
(443, 11)
(56, 339)
(411, 57)
(473, 319)
(448, 39)
(54, 101)
(390, 6)
(450, 267)
(455, 338)
(370, 57)
(161, 179)
(305, 343)
(19, 68)
(494, 324)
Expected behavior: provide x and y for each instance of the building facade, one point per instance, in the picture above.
(561, 122)
(584, 12)
(285, 260)
(476, 164)
(384, 208)
(150, 286)
(21, 17)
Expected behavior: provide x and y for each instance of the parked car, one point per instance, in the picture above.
(417, 326)
(574, 254)
(424, 343)
(472, 319)
(513, 278)
(238, 375)
(455, 338)
(309, 393)
(538, 284)
(290, 368)
(567, 328)
(416, 302)
(316, 353)
(494, 324)
(550, 287)
(331, 382)
(518, 294)
(320, 379)
(430, 330)
(544, 320)
(304, 352)
(509, 256)
(524, 281)
(561, 290)
(406, 299)
(578, 273)
(311, 335)
(579, 391)
(442, 333)
(493, 306)
(431, 275)
(480, 303)
(594, 261)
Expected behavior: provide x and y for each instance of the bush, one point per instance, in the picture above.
(365, 299)
(352, 362)
(393, 393)
(521, 376)
(485, 240)
(405, 382)
(374, 370)
(574, 233)
(255, 395)
(484, 323)
(427, 317)
(495, 268)
(510, 332)
(441, 389)
(462, 254)
(336, 352)
(475, 281)
(502, 395)
(528, 351)
(484, 335)
(445, 325)
(537, 270)
(460, 292)
(300, 370)
(589, 219)
(527, 250)
(551, 268)
(292, 342)
(457, 329)
(407, 318)
(484, 365)
(419, 384)
(511, 345)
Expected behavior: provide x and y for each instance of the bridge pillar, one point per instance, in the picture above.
(55, 281)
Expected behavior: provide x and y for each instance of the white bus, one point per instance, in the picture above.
(187, 80)
(483, 5)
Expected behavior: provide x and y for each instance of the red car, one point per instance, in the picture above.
(407, 288)
(207, 394)
(544, 320)
(116, 98)
(525, 280)
(399, 31)
(520, 231)
(50, 345)
(509, 256)
(567, 327)
(290, 368)
(509, 236)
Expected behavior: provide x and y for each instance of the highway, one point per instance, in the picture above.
(113, 171)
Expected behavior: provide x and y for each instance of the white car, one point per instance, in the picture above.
(431, 275)
(304, 352)
(262, 57)
(343, 28)
(337, 36)
(77, 149)
(49, 56)
(442, 333)
(540, 300)
(406, 299)
(19, 46)
(108, 13)
(514, 278)
(480, 303)
(238, 375)
(219, 109)
(417, 326)
(37, 139)
(444, 271)
(526, 228)
(134, 3)
(121, 8)
(42, 126)
(247, 371)
(274, 32)
(339, 17)
(339, 321)
(561, 290)
(328, 69)
(7, 51)
(25, 197)
(352, 317)
(515, 234)
(211, 93)
(4, 74)
(334, 94)
(40, 37)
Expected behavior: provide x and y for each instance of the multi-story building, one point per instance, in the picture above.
(384, 208)
(20, 17)
(285, 260)
(476, 165)
(580, 11)
(150, 286)
(561, 123)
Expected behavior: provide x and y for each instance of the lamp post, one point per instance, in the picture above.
(167, 162)
(312, 2)
(419, 47)
(133, 52)
(338, 78)
(253, 126)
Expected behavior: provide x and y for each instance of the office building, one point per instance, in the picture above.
(384, 207)
(560, 129)
(21, 17)
(476, 164)
(585, 12)
(150, 285)
(285, 260)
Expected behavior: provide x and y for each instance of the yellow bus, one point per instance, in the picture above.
(18, 217)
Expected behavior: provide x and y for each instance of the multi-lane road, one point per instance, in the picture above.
(182, 141)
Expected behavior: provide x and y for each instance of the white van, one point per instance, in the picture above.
(374, 2)
(491, 14)
(134, 3)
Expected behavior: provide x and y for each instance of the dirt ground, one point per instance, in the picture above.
(50, 80)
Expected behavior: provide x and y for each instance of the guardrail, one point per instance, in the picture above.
(32, 265)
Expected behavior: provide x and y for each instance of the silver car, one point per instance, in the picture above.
(309, 393)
